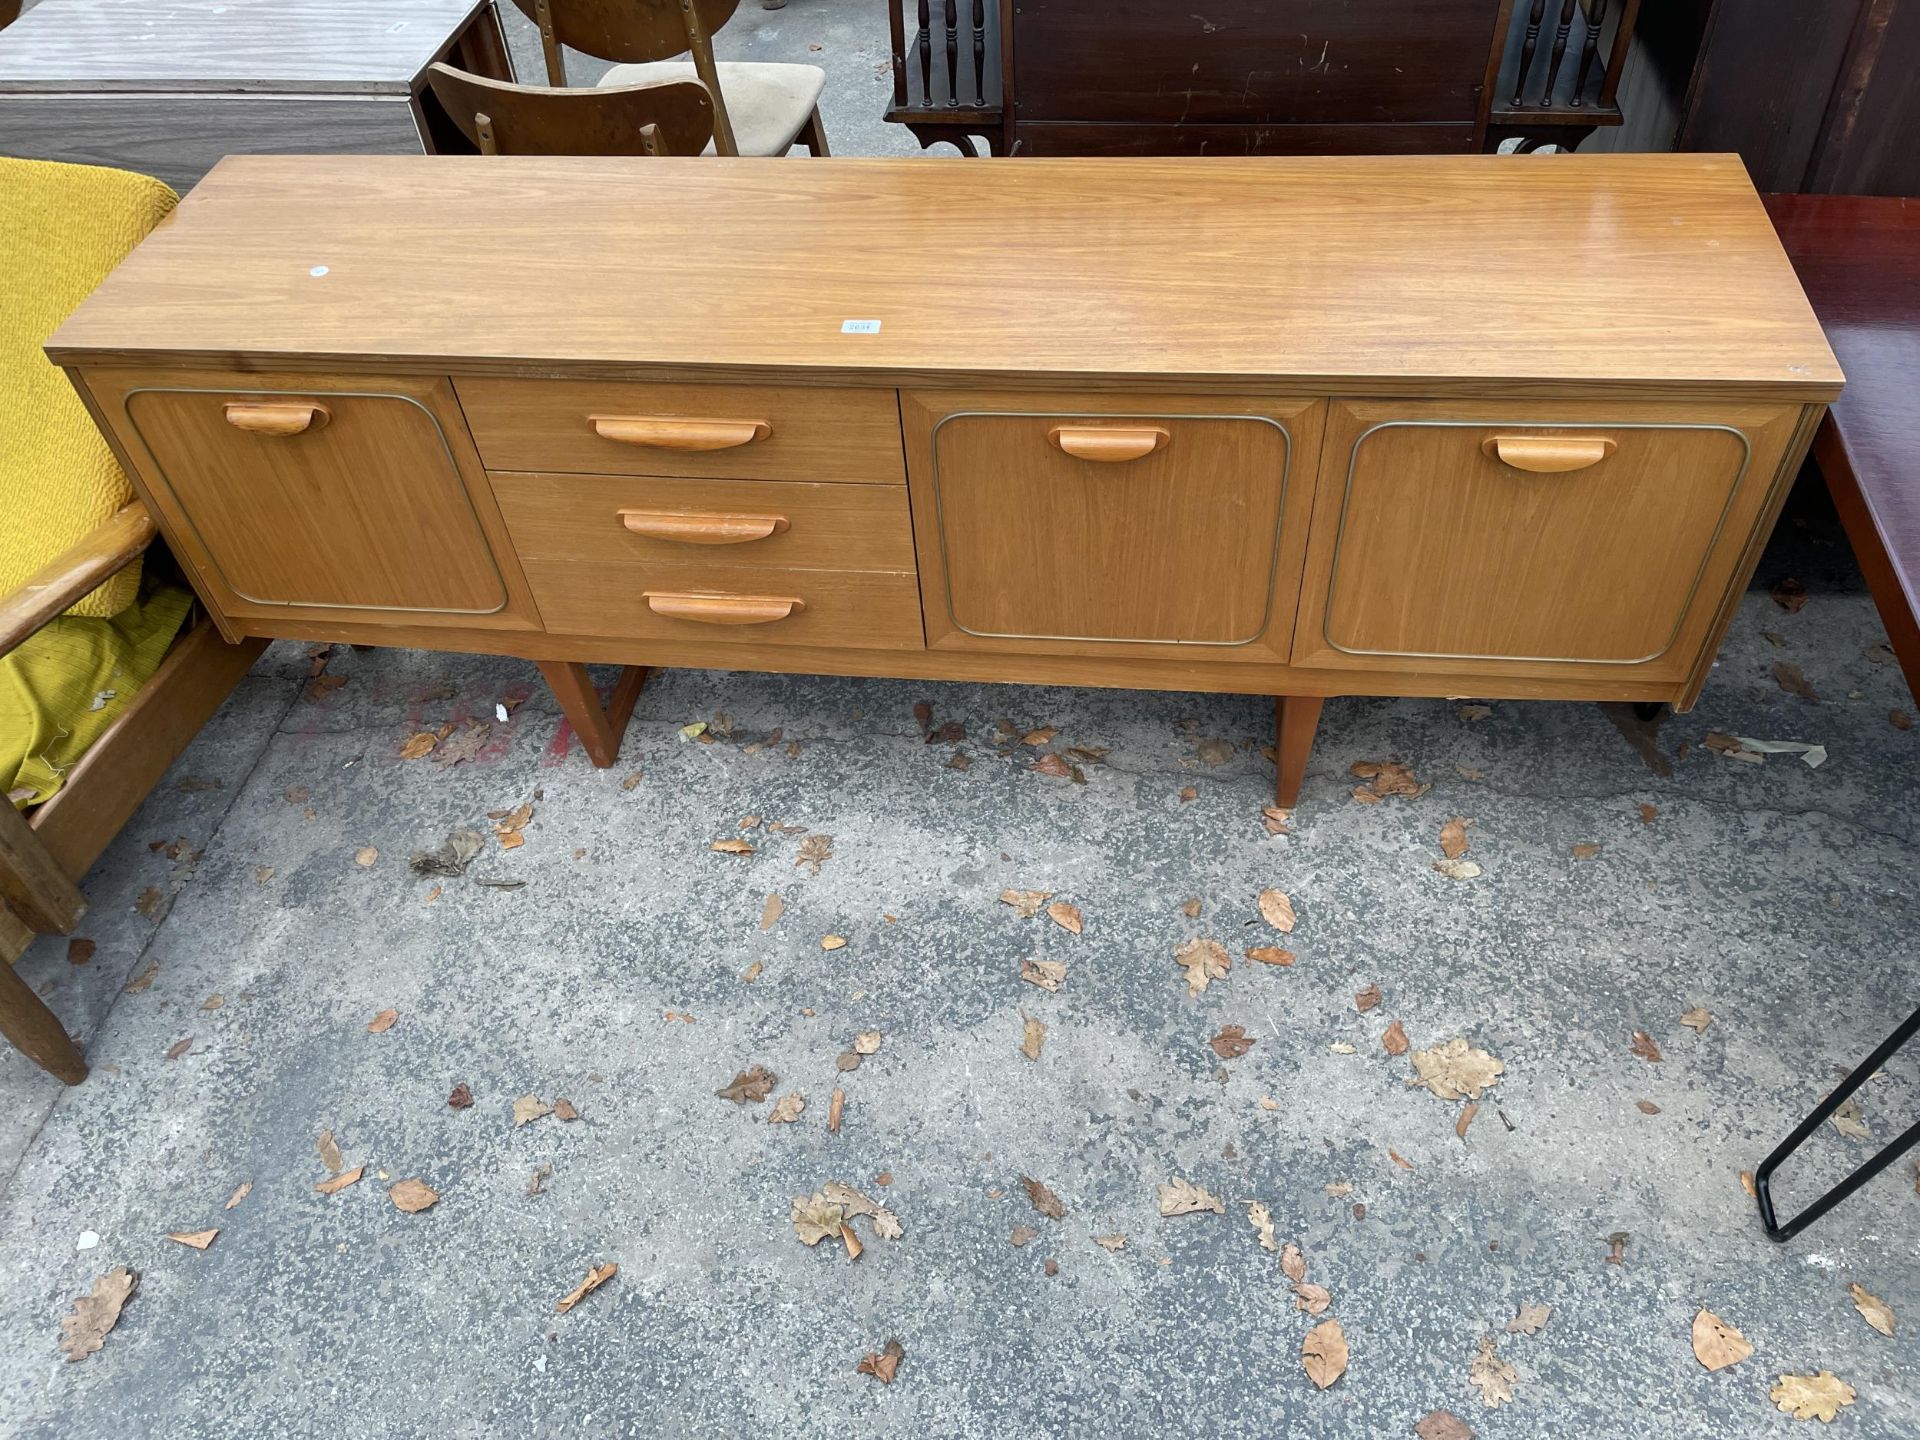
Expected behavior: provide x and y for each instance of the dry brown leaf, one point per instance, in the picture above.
(787, 1108)
(1183, 1197)
(537, 1182)
(1530, 1321)
(1276, 820)
(1191, 907)
(832, 942)
(1214, 751)
(1453, 838)
(1442, 1425)
(1394, 1039)
(1388, 778)
(885, 1365)
(329, 1150)
(1044, 1200)
(1066, 916)
(419, 743)
(1271, 955)
(1047, 974)
(179, 1047)
(847, 1059)
(1747, 1184)
(198, 1239)
(1467, 1112)
(80, 950)
(382, 1022)
(1021, 1235)
(412, 1196)
(732, 847)
(366, 855)
(1339, 1189)
(1231, 1043)
(1112, 1244)
(1649, 813)
(1812, 1397)
(1399, 1159)
(1792, 679)
(529, 1108)
(1716, 1344)
(460, 1097)
(1261, 1219)
(1026, 903)
(1457, 869)
(1277, 910)
(1366, 999)
(214, 1002)
(1454, 1071)
(1060, 768)
(1645, 1048)
(1849, 1120)
(597, 1276)
(1323, 1353)
(836, 1107)
(1585, 850)
(749, 1087)
(867, 1042)
(1492, 1376)
(752, 972)
(1204, 961)
(84, 1330)
(770, 911)
(1310, 1298)
(1033, 1036)
(1188, 792)
(814, 852)
(1697, 1019)
(245, 1189)
(341, 1181)
(1293, 1263)
(816, 1218)
(1789, 594)
(1875, 1311)
(1899, 719)
(1646, 1107)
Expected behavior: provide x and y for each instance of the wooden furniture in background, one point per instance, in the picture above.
(1363, 462)
(1859, 259)
(1815, 95)
(1137, 77)
(169, 89)
(759, 108)
(666, 117)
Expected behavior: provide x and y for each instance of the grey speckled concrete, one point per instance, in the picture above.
(1782, 898)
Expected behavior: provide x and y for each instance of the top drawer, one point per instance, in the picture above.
(731, 432)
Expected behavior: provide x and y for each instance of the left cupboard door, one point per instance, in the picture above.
(354, 501)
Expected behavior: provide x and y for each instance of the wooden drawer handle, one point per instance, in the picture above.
(276, 417)
(1088, 442)
(685, 529)
(1547, 454)
(675, 433)
(724, 609)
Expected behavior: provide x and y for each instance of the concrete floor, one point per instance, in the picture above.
(1781, 898)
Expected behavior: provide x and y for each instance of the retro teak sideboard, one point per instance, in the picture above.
(1493, 426)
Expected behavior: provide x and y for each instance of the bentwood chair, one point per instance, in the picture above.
(660, 117)
(759, 108)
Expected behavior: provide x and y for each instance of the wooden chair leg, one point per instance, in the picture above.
(36, 1030)
(814, 134)
(1295, 718)
(599, 727)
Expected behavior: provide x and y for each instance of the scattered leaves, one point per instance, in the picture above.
(245, 1189)
(1442, 1425)
(1394, 1040)
(1293, 1263)
(1261, 1219)
(1453, 838)
(1047, 974)
(732, 847)
(1310, 1298)
(418, 744)
(1231, 1043)
(1697, 1019)
(1530, 1321)
(885, 1365)
(563, 1109)
(749, 1087)
(80, 950)
(1585, 850)
(816, 1218)
(814, 852)
(451, 857)
(1455, 1071)
(787, 1108)
(1850, 1122)
(1204, 961)
(1812, 1397)
(1112, 1244)
(1026, 903)
(179, 1047)
(528, 1108)
(1182, 1197)
(770, 912)
(597, 1275)
(1875, 1311)
(1467, 1112)
(1649, 813)
(1033, 1036)
(1066, 916)
(1457, 869)
(366, 855)
(836, 1107)
(337, 1183)
(1271, 955)
(1645, 1048)
(1792, 679)
(1492, 1376)
(460, 1097)
(412, 1196)
(197, 1239)
(1044, 1200)
(382, 1022)
(1323, 1353)
(84, 1330)
(1789, 594)
(1277, 910)
(1021, 1235)
(1388, 778)
(1366, 999)
(329, 1150)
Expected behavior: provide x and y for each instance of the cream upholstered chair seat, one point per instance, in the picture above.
(768, 103)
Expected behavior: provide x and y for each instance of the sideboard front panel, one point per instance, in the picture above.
(1531, 535)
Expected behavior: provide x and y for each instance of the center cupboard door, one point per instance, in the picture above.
(1110, 525)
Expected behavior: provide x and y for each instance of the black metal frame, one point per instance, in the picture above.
(1762, 1178)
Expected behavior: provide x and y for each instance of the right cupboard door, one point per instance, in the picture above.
(1533, 537)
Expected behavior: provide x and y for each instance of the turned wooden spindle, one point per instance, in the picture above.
(979, 52)
(1528, 49)
(1596, 17)
(1559, 52)
(926, 55)
(953, 52)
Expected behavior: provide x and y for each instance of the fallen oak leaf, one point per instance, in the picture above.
(1530, 1321)
(1453, 837)
(1026, 903)
(1812, 1397)
(749, 1087)
(1293, 1263)
(1204, 961)
(84, 1330)
(1323, 1353)
(1490, 1375)
(787, 1108)
(1455, 1071)
(1261, 1219)
(597, 1275)
(1182, 1197)
(884, 1365)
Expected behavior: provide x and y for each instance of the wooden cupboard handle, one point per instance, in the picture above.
(1088, 442)
(677, 433)
(724, 609)
(277, 417)
(702, 529)
(1548, 454)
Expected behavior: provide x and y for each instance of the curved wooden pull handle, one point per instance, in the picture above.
(702, 529)
(724, 609)
(1088, 442)
(277, 417)
(676, 433)
(1548, 454)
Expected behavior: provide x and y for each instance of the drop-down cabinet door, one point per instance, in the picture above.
(320, 496)
(1110, 525)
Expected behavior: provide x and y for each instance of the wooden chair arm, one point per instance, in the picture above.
(105, 551)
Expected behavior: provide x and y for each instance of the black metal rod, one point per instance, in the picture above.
(1763, 1177)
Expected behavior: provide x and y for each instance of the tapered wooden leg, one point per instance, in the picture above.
(1295, 718)
(599, 727)
(813, 134)
(36, 1030)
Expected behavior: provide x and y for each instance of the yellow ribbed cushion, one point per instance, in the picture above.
(62, 228)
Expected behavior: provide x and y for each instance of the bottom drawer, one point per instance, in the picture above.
(730, 604)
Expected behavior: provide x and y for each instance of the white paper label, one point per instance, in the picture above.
(859, 327)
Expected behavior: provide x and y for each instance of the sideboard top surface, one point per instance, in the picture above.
(1388, 275)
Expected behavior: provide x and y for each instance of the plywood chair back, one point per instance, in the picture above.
(667, 117)
(634, 32)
